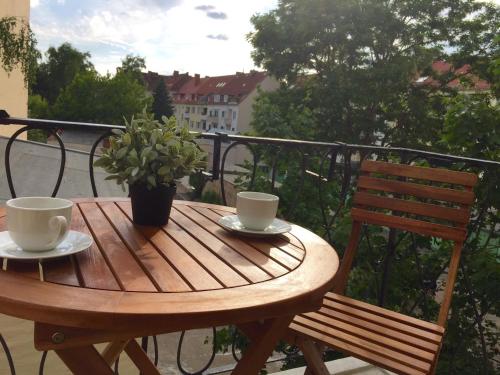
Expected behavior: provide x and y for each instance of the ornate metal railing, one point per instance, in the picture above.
(315, 181)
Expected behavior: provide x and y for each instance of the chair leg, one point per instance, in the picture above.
(313, 355)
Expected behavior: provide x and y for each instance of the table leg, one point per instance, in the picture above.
(84, 360)
(263, 340)
(113, 351)
(140, 358)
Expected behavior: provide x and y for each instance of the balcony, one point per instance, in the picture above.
(324, 175)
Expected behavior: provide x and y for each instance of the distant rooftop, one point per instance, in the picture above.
(186, 88)
(463, 79)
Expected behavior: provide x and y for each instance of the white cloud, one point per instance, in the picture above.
(34, 3)
(170, 34)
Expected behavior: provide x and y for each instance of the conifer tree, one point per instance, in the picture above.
(162, 103)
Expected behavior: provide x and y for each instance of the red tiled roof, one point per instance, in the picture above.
(465, 80)
(441, 67)
(236, 85)
(463, 70)
(186, 88)
(173, 82)
(469, 81)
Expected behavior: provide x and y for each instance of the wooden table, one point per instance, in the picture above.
(137, 281)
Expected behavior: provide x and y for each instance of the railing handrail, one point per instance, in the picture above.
(223, 137)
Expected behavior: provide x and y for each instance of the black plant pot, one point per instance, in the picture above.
(151, 207)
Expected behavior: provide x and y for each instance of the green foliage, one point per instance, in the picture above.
(348, 71)
(38, 107)
(211, 196)
(357, 61)
(18, 47)
(132, 65)
(162, 103)
(471, 126)
(91, 97)
(37, 135)
(59, 69)
(151, 152)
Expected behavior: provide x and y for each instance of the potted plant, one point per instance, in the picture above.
(150, 156)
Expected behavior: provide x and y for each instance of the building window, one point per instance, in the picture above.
(223, 114)
(234, 115)
(204, 112)
(204, 125)
(232, 129)
(217, 98)
(225, 98)
(216, 113)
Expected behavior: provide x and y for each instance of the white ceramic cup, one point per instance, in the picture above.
(256, 211)
(38, 223)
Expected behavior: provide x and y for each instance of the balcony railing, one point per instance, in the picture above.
(315, 181)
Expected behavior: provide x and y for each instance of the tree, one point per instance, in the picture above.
(101, 99)
(58, 71)
(18, 47)
(348, 70)
(361, 57)
(162, 103)
(133, 65)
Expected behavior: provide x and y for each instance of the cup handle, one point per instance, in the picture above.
(60, 225)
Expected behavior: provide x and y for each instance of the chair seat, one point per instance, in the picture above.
(382, 337)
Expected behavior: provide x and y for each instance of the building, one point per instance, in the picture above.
(460, 79)
(214, 104)
(13, 92)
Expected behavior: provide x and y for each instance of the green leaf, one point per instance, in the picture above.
(120, 154)
(151, 180)
(163, 170)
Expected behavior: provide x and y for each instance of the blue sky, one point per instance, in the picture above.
(195, 36)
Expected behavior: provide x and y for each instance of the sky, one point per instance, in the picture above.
(195, 36)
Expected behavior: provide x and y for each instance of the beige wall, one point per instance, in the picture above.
(245, 108)
(13, 93)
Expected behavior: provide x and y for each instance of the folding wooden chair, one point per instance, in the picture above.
(387, 339)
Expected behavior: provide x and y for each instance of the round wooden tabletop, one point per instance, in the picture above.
(191, 273)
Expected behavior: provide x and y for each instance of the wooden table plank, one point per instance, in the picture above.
(271, 263)
(91, 264)
(224, 252)
(223, 272)
(60, 271)
(158, 269)
(264, 245)
(198, 278)
(124, 265)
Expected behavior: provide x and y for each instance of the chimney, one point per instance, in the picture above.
(176, 73)
(196, 79)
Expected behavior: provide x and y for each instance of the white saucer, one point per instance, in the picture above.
(233, 224)
(72, 244)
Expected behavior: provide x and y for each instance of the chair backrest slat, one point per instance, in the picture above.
(424, 173)
(417, 190)
(455, 215)
(412, 225)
